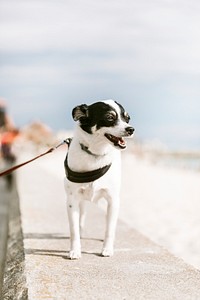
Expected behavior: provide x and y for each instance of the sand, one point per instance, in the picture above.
(164, 204)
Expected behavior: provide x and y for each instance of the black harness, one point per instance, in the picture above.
(84, 177)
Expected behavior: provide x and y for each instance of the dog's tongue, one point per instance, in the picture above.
(117, 141)
(121, 142)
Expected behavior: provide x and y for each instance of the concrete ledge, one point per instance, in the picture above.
(139, 269)
(14, 285)
(4, 209)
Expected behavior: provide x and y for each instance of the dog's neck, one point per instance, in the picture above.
(95, 153)
(86, 149)
(92, 144)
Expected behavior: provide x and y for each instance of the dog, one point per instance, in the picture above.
(93, 167)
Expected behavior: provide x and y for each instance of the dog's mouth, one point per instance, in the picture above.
(117, 141)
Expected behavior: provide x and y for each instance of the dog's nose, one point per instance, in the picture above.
(130, 130)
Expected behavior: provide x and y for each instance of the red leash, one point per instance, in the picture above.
(8, 171)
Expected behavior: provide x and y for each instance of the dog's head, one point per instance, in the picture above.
(106, 118)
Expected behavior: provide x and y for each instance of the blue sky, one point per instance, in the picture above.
(144, 54)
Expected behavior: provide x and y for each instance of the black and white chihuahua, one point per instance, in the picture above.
(93, 167)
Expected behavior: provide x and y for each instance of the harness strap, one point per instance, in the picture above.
(84, 177)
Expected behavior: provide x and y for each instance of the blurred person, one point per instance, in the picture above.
(8, 133)
(6, 123)
(7, 139)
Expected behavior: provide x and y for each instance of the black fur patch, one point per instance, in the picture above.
(124, 115)
(98, 114)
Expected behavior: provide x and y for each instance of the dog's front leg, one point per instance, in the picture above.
(112, 216)
(82, 217)
(73, 215)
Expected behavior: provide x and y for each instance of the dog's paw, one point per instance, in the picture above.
(74, 254)
(106, 252)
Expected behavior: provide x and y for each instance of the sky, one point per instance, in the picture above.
(144, 54)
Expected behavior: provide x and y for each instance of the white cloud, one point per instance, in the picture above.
(148, 37)
(31, 74)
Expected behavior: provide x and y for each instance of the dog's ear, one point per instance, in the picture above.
(79, 112)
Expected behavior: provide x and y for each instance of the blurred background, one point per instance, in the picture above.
(144, 54)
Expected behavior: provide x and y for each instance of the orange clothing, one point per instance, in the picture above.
(8, 137)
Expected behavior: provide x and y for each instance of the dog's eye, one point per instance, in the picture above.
(110, 117)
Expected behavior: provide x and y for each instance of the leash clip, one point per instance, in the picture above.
(67, 141)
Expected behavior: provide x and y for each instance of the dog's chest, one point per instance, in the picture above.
(85, 193)
(89, 193)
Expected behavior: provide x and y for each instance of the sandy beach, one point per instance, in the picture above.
(163, 203)
(159, 201)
